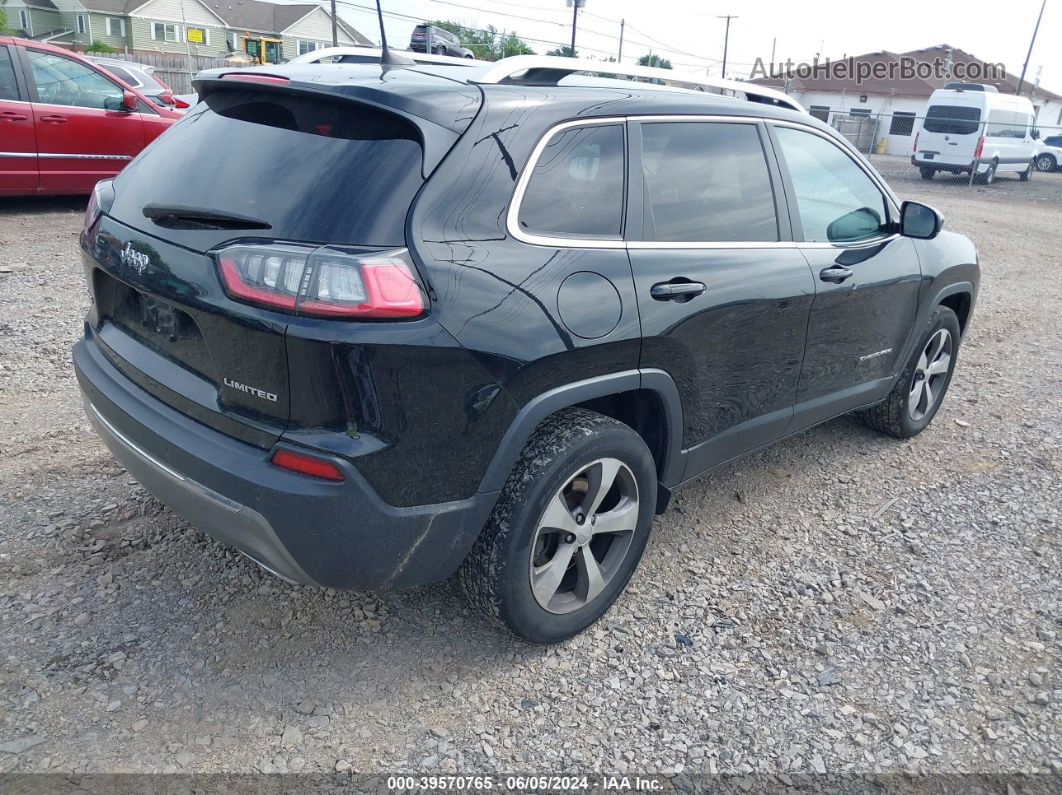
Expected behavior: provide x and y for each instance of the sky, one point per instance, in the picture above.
(690, 34)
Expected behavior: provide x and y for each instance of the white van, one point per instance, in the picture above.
(972, 127)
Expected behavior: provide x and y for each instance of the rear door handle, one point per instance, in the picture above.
(835, 274)
(9, 115)
(676, 290)
(54, 119)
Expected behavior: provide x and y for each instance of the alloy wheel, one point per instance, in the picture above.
(584, 536)
(1045, 163)
(930, 375)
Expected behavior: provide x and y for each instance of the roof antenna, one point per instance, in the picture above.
(388, 58)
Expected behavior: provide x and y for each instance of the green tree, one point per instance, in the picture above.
(3, 21)
(654, 60)
(489, 44)
(563, 52)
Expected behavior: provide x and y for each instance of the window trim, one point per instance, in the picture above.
(121, 27)
(81, 24)
(774, 163)
(512, 218)
(25, 20)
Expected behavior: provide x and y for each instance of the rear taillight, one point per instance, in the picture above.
(180, 103)
(915, 149)
(980, 147)
(306, 465)
(322, 282)
(95, 204)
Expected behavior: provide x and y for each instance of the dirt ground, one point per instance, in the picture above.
(840, 602)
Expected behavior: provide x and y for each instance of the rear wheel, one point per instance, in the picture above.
(989, 176)
(920, 388)
(926, 172)
(568, 530)
(1046, 162)
(1027, 173)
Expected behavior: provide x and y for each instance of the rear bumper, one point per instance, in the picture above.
(339, 535)
(943, 163)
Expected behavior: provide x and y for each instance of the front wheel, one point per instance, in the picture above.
(568, 530)
(920, 388)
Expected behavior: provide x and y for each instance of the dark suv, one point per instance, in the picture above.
(385, 324)
(437, 41)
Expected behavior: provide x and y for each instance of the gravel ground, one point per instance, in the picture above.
(840, 602)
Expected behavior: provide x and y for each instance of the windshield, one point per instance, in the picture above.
(952, 119)
(313, 169)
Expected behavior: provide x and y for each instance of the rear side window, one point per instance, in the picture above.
(8, 86)
(577, 186)
(706, 182)
(952, 119)
(314, 169)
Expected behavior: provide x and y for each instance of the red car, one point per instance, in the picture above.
(66, 123)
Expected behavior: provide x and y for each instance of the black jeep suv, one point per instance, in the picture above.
(385, 324)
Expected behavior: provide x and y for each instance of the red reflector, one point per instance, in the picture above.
(980, 147)
(306, 465)
(249, 78)
(915, 149)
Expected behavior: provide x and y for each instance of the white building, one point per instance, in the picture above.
(893, 103)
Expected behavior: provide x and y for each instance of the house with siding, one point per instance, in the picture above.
(269, 32)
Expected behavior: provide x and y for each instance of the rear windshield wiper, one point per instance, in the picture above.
(178, 216)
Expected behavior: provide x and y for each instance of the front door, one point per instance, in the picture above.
(866, 277)
(18, 147)
(83, 133)
(724, 294)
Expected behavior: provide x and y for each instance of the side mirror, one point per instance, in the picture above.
(861, 224)
(129, 101)
(1035, 134)
(920, 221)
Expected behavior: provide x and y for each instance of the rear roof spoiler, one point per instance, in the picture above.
(549, 70)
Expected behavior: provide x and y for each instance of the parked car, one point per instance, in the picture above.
(1049, 156)
(972, 127)
(437, 41)
(500, 359)
(353, 54)
(143, 78)
(65, 122)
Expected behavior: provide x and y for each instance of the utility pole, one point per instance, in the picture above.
(1032, 41)
(774, 43)
(335, 29)
(619, 55)
(575, 20)
(726, 39)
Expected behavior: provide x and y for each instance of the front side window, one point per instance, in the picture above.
(577, 186)
(63, 81)
(837, 201)
(706, 182)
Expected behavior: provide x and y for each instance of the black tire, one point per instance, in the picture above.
(496, 575)
(1046, 162)
(926, 172)
(893, 415)
(988, 177)
(1027, 173)
(469, 55)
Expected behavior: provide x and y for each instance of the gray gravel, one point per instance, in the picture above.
(841, 602)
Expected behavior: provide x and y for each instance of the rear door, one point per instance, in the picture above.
(866, 277)
(723, 291)
(83, 133)
(18, 146)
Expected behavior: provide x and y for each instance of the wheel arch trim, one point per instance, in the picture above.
(567, 395)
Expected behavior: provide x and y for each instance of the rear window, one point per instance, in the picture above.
(315, 170)
(952, 119)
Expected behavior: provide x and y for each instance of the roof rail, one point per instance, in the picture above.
(349, 54)
(548, 70)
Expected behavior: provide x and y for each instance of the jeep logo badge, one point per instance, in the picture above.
(137, 260)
